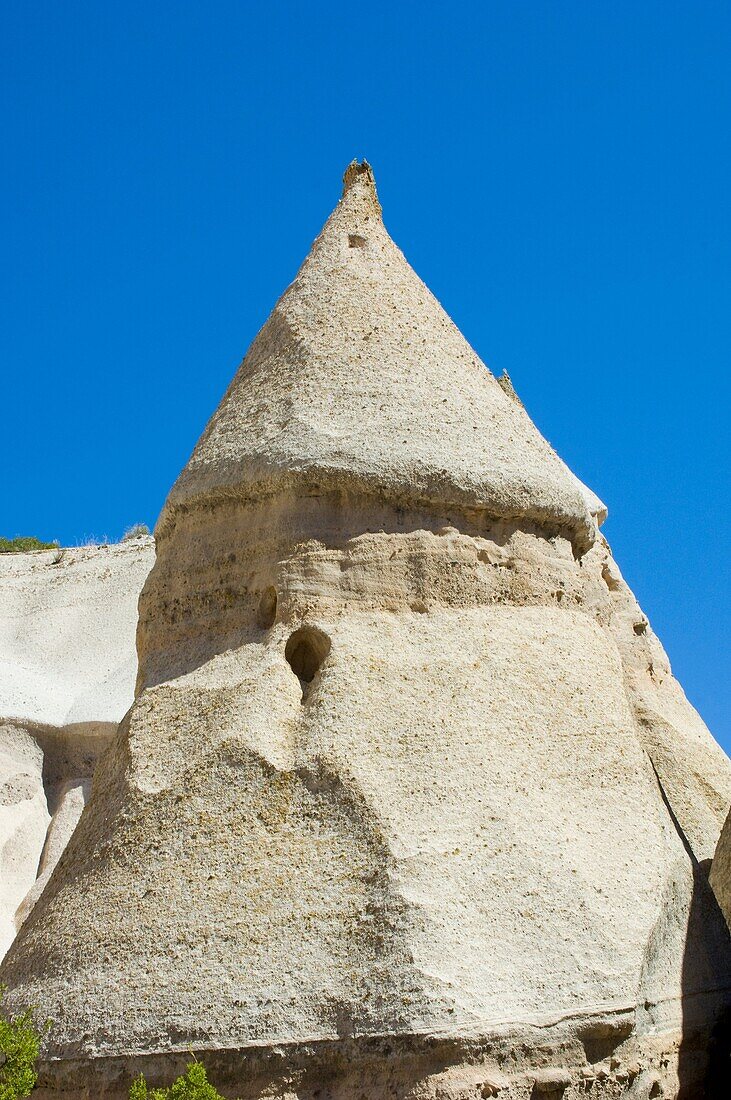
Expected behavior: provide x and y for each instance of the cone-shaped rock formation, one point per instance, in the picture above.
(408, 803)
(360, 382)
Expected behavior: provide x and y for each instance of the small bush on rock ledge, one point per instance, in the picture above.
(20, 1041)
(25, 544)
(193, 1085)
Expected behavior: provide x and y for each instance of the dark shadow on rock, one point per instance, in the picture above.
(704, 1057)
(704, 1060)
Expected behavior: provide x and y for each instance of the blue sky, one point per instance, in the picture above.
(558, 173)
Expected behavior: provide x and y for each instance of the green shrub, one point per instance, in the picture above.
(23, 544)
(20, 1041)
(193, 1085)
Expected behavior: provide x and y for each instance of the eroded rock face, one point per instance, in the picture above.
(71, 799)
(67, 671)
(720, 876)
(24, 820)
(408, 802)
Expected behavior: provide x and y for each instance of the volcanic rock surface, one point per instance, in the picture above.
(67, 673)
(720, 876)
(408, 803)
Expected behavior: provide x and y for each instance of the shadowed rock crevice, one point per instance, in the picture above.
(267, 613)
(306, 650)
(704, 1054)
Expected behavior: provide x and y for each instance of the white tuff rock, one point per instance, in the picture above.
(67, 673)
(408, 803)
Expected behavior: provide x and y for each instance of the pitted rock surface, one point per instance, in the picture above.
(408, 802)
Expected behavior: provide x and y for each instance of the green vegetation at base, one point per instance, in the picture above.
(193, 1085)
(20, 1041)
(23, 544)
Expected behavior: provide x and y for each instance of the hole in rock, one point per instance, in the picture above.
(267, 611)
(356, 241)
(609, 579)
(305, 651)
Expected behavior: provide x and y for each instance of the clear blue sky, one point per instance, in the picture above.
(558, 173)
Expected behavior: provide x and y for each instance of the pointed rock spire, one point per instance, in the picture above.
(359, 178)
(359, 381)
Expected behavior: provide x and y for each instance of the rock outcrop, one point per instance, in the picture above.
(720, 876)
(24, 820)
(67, 673)
(408, 802)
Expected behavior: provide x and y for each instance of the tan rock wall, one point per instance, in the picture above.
(408, 803)
(721, 871)
(455, 827)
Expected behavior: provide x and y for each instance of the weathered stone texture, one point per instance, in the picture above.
(67, 672)
(408, 803)
(720, 876)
